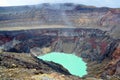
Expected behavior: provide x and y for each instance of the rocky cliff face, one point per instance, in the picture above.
(113, 67)
(93, 44)
(61, 14)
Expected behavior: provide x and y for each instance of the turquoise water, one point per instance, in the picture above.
(75, 65)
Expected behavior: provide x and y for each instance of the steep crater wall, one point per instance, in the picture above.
(92, 44)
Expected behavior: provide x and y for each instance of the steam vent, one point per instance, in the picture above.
(62, 41)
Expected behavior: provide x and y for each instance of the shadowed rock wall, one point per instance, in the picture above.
(93, 44)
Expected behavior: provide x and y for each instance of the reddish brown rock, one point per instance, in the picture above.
(113, 67)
